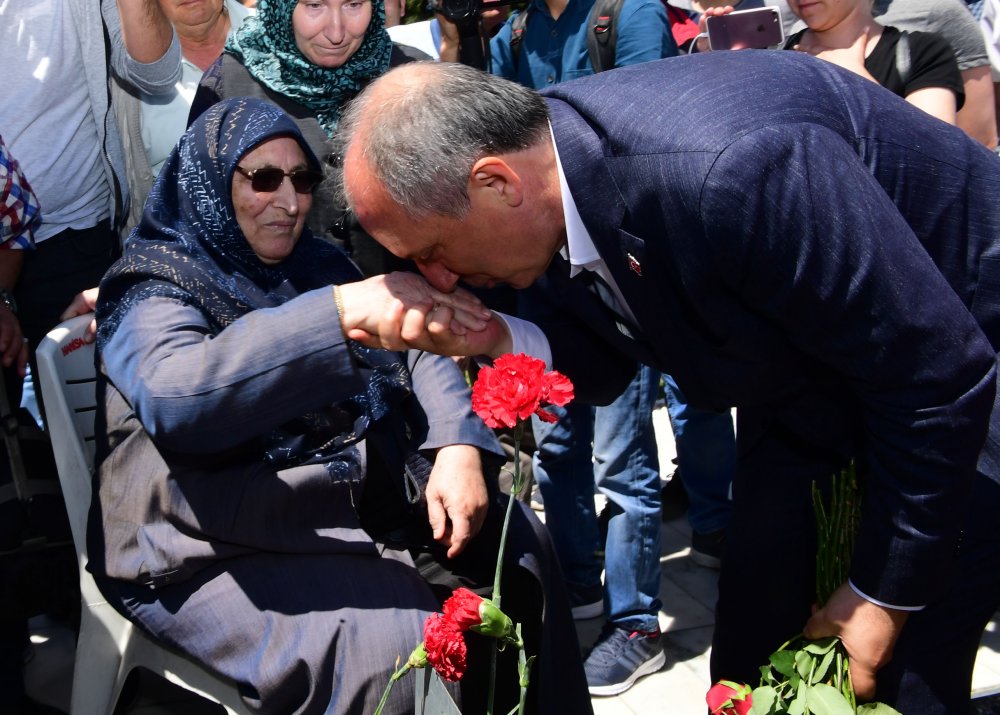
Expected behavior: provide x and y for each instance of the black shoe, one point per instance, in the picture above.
(707, 549)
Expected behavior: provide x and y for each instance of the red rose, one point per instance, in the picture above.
(516, 387)
(729, 698)
(445, 647)
(463, 609)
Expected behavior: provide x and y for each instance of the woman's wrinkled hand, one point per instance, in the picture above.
(399, 311)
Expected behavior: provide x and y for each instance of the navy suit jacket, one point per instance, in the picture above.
(802, 244)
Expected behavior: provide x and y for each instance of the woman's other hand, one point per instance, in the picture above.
(83, 302)
(457, 500)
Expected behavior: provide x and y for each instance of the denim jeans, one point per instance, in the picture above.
(706, 456)
(624, 466)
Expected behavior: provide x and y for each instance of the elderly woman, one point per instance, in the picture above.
(310, 57)
(252, 504)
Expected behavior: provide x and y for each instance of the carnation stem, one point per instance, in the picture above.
(388, 688)
(516, 486)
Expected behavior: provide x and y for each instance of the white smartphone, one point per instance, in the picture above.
(742, 29)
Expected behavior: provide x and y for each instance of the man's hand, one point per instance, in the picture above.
(13, 345)
(456, 496)
(83, 303)
(868, 631)
(399, 311)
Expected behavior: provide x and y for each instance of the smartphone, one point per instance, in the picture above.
(743, 29)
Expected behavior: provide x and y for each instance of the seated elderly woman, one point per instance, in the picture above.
(251, 509)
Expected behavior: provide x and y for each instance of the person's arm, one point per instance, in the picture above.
(195, 393)
(145, 52)
(19, 214)
(977, 117)
(936, 101)
(13, 348)
(643, 33)
(840, 276)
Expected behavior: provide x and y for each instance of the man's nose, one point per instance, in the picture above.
(438, 276)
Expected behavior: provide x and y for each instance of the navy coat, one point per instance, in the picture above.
(802, 244)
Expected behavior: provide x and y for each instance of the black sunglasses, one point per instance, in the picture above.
(269, 178)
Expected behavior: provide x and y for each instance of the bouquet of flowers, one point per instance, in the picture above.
(804, 676)
(504, 395)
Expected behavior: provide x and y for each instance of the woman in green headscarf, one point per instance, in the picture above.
(310, 57)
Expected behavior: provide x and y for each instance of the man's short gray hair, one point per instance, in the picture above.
(422, 140)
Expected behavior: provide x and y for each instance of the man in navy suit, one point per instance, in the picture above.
(777, 234)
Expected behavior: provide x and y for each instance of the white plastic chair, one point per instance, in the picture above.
(109, 647)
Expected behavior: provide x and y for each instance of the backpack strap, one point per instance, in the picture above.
(517, 27)
(601, 42)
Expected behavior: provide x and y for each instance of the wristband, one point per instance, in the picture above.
(338, 301)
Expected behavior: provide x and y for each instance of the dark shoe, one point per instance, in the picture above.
(620, 657)
(673, 498)
(706, 549)
(586, 601)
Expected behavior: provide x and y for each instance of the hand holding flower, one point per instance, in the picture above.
(868, 632)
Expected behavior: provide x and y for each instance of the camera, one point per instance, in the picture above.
(456, 10)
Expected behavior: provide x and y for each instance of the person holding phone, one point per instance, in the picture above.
(918, 66)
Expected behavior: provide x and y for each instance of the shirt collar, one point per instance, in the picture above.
(579, 248)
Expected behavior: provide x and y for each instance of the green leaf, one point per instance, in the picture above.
(877, 709)
(804, 663)
(821, 646)
(798, 705)
(784, 662)
(820, 674)
(825, 700)
(765, 701)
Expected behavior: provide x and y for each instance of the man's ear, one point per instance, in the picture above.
(497, 179)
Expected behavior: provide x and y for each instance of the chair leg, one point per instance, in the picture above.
(95, 674)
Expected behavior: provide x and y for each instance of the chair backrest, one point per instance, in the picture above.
(67, 377)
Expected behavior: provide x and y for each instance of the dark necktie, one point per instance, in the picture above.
(604, 292)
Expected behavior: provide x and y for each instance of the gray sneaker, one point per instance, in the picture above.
(620, 657)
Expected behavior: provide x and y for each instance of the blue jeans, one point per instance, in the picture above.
(706, 456)
(624, 465)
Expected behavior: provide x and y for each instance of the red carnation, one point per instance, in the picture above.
(445, 647)
(729, 698)
(516, 387)
(462, 607)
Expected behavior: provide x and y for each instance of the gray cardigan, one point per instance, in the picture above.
(154, 78)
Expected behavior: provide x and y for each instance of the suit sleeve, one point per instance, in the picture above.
(446, 399)
(805, 237)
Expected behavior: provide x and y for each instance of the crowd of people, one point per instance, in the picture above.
(761, 230)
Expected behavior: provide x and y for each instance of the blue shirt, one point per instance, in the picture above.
(556, 50)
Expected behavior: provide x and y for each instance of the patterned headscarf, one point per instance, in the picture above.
(189, 247)
(265, 44)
